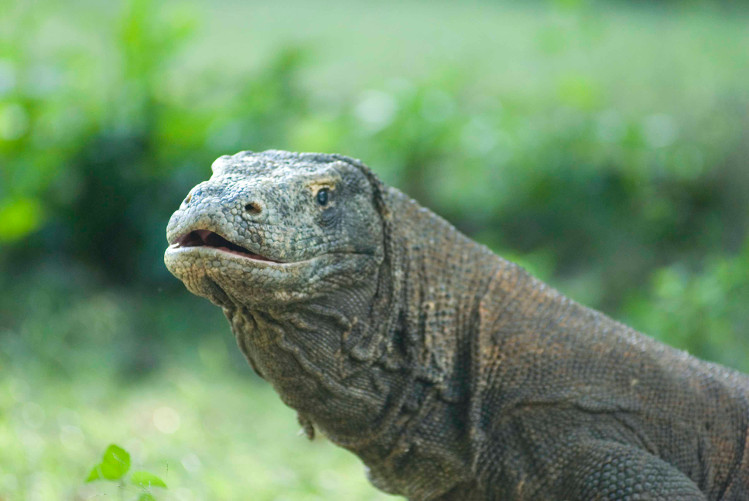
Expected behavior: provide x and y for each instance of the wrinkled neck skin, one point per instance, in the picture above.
(379, 366)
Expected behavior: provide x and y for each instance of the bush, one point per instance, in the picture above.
(101, 145)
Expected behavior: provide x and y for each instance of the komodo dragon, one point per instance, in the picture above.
(452, 373)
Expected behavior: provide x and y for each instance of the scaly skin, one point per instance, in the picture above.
(449, 371)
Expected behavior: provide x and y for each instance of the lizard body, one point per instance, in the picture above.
(451, 372)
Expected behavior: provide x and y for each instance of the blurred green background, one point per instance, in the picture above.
(603, 145)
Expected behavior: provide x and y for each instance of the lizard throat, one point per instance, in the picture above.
(207, 238)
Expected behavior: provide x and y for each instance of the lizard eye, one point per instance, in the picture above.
(322, 196)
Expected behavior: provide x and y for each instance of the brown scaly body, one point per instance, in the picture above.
(452, 373)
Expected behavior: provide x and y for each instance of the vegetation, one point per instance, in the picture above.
(602, 145)
(114, 466)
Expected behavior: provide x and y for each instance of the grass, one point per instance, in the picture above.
(638, 57)
(195, 415)
(207, 435)
(85, 365)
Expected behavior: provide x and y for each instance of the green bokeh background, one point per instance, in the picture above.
(603, 145)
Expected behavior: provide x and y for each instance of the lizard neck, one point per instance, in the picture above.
(383, 368)
(299, 348)
(440, 278)
(437, 279)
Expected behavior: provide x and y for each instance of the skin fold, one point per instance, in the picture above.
(451, 372)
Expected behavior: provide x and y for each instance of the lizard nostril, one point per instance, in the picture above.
(253, 208)
(187, 199)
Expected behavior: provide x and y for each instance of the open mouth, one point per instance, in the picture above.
(207, 238)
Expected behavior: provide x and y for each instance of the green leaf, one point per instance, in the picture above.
(94, 475)
(115, 463)
(146, 496)
(146, 479)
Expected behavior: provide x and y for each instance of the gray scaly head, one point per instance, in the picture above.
(338, 291)
(274, 227)
(291, 247)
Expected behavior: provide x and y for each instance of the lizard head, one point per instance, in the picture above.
(272, 228)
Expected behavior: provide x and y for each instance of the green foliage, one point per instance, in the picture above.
(682, 305)
(115, 464)
(602, 146)
(19, 217)
(146, 480)
(614, 192)
(236, 439)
